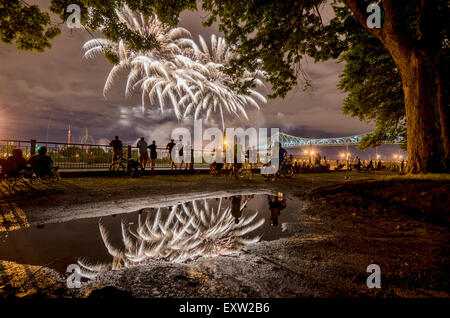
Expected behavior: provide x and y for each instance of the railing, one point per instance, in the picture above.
(87, 156)
(83, 156)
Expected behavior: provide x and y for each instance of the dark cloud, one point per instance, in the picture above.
(42, 93)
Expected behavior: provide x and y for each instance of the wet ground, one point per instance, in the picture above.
(330, 228)
(61, 244)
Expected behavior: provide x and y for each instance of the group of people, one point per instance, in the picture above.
(143, 153)
(143, 147)
(250, 156)
(185, 154)
(39, 165)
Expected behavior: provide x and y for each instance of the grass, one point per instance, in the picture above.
(107, 188)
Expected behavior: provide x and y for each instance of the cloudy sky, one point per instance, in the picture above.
(42, 93)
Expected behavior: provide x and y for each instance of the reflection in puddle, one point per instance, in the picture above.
(276, 204)
(182, 232)
(177, 233)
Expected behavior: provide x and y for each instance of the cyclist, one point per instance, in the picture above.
(117, 147)
(282, 158)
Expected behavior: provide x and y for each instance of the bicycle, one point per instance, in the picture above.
(245, 171)
(286, 169)
(356, 168)
(118, 165)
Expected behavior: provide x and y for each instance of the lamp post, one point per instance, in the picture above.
(347, 153)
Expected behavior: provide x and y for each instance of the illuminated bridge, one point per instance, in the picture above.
(289, 141)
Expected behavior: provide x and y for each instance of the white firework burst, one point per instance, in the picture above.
(190, 78)
(197, 84)
(166, 37)
(179, 233)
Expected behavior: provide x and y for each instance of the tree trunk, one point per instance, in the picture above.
(444, 110)
(425, 146)
(426, 109)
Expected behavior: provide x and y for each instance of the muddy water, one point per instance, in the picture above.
(251, 217)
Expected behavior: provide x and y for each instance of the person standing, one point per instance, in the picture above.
(169, 147)
(187, 156)
(143, 153)
(180, 152)
(153, 154)
(117, 146)
(191, 165)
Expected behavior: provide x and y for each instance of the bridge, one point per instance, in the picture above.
(289, 141)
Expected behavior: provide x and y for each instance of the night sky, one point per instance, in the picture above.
(42, 93)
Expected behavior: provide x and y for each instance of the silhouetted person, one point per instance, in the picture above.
(187, 151)
(169, 147)
(317, 159)
(282, 157)
(42, 164)
(237, 161)
(143, 153)
(15, 165)
(153, 154)
(191, 164)
(180, 147)
(117, 147)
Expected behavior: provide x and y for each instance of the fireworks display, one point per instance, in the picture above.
(180, 74)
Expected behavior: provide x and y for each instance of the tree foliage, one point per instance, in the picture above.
(100, 15)
(26, 26)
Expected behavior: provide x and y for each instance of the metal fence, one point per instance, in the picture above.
(87, 156)
(82, 156)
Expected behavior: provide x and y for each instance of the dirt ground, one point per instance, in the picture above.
(400, 223)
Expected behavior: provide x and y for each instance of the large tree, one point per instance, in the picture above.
(277, 34)
(374, 86)
(415, 33)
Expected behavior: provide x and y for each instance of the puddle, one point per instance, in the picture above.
(178, 233)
